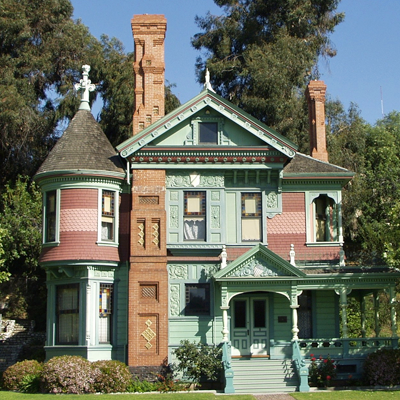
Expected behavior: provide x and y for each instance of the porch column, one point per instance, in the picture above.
(225, 330)
(295, 328)
(363, 317)
(376, 309)
(392, 294)
(343, 306)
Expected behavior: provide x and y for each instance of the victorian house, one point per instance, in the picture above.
(205, 225)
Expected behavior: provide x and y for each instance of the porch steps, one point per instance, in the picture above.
(262, 375)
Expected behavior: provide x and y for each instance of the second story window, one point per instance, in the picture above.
(194, 218)
(50, 217)
(325, 219)
(251, 217)
(108, 216)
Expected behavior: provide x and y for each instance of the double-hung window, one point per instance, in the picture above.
(194, 217)
(105, 312)
(251, 213)
(108, 216)
(67, 325)
(50, 217)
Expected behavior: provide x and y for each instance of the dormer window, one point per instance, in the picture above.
(208, 133)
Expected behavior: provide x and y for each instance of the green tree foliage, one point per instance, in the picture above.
(21, 218)
(41, 53)
(261, 54)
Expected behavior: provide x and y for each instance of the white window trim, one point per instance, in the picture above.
(114, 242)
(336, 196)
(56, 242)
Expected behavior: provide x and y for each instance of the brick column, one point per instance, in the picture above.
(148, 276)
(149, 66)
(315, 94)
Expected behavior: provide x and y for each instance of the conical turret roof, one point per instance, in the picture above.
(83, 146)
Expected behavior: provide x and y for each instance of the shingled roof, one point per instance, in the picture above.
(83, 146)
(303, 164)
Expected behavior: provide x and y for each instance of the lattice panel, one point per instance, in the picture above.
(148, 291)
(149, 200)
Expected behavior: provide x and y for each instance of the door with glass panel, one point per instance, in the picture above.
(249, 330)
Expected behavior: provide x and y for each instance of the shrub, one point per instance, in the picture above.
(69, 374)
(382, 368)
(322, 371)
(23, 376)
(115, 377)
(197, 361)
(137, 386)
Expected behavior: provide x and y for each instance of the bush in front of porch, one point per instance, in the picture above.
(382, 368)
(322, 371)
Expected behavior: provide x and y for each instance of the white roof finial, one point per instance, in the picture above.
(85, 86)
(207, 83)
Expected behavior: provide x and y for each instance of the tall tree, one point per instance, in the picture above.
(41, 53)
(261, 53)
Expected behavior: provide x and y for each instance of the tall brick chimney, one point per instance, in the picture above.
(315, 94)
(149, 66)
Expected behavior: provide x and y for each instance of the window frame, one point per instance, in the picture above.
(71, 311)
(193, 311)
(311, 218)
(258, 215)
(106, 313)
(221, 139)
(102, 216)
(201, 215)
(56, 227)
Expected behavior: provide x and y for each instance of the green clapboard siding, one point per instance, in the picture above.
(206, 330)
(325, 314)
(282, 330)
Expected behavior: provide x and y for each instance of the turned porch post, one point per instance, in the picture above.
(225, 330)
(392, 294)
(343, 306)
(376, 309)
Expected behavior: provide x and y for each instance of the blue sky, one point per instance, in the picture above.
(366, 65)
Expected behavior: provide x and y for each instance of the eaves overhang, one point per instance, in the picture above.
(208, 98)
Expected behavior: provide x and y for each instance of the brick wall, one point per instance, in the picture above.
(148, 277)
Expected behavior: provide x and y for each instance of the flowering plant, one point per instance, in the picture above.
(322, 371)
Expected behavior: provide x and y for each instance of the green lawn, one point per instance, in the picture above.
(321, 395)
(348, 395)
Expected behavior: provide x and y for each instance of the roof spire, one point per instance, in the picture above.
(85, 86)
(207, 83)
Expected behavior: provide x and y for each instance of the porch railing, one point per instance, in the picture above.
(228, 371)
(300, 367)
(345, 347)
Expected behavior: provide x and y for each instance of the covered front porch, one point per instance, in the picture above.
(273, 310)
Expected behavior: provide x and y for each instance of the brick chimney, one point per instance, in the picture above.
(149, 66)
(315, 94)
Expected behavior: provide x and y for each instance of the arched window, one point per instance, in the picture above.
(326, 219)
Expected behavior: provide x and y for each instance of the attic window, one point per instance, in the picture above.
(208, 133)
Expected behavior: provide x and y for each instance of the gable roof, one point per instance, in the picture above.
(83, 147)
(258, 263)
(208, 98)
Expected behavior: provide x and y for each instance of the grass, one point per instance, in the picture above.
(348, 395)
(320, 395)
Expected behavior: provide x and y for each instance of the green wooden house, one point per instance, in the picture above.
(208, 226)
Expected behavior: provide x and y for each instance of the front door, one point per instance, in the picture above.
(249, 332)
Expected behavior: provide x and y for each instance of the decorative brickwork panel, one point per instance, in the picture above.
(148, 340)
(141, 232)
(155, 232)
(148, 200)
(149, 291)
